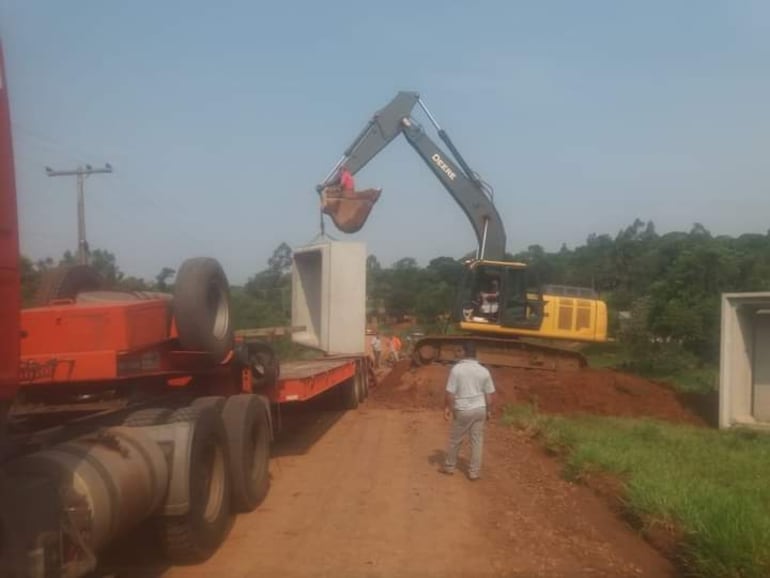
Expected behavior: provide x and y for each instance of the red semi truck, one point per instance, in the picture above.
(122, 408)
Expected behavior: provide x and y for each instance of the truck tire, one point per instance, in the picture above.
(349, 393)
(215, 401)
(195, 536)
(148, 416)
(201, 307)
(65, 282)
(248, 431)
(363, 384)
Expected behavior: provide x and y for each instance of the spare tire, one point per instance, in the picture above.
(201, 307)
(65, 282)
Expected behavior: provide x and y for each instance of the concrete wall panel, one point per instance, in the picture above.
(744, 364)
(329, 296)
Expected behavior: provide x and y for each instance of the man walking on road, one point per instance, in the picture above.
(376, 349)
(468, 400)
(395, 348)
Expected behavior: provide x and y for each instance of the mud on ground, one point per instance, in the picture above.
(589, 391)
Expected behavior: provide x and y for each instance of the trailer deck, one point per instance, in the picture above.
(301, 380)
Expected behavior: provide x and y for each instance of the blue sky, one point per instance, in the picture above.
(220, 117)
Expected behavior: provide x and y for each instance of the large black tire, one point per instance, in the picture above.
(195, 536)
(148, 416)
(363, 383)
(215, 401)
(202, 307)
(248, 431)
(65, 282)
(349, 393)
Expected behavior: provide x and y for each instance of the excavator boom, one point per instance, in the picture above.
(349, 212)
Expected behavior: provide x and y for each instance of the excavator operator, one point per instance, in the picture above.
(347, 184)
(490, 300)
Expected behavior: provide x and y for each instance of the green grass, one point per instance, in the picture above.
(603, 355)
(712, 486)
(676, 368)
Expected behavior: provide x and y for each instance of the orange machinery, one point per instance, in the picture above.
(116, 408)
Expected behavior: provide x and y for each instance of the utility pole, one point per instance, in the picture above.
(82, 173)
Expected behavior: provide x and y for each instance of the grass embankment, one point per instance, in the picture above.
(663, 363)
(710, 490)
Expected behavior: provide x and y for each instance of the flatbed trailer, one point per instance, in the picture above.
(303, 380)
(102, 440)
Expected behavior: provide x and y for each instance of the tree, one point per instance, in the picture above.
(105, 264)
(162, 278)
(447, 270)
(30, 280)
(373, 264)
(68, 258)
(267, 294)
(101, 260)
(405, 263)
(280, 262)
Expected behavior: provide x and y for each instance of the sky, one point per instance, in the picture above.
(219, 119)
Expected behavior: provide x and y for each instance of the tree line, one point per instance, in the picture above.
(665, 286)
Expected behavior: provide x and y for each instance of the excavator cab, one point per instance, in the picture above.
(498, 293)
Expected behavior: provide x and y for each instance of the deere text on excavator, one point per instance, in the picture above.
(497, 306)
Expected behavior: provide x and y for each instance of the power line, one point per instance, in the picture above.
(82, 173)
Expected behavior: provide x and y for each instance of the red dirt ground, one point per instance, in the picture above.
(589, 391)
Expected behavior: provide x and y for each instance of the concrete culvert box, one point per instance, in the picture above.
(744, 361)
(329, 296)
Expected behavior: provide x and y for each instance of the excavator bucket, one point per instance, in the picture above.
(348, 209)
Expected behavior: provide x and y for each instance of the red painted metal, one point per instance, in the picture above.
(10, 284)
(302, 380)
(93, 327)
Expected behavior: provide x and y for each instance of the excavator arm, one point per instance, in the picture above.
(467, 189)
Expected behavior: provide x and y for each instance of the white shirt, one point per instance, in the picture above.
(468, 382)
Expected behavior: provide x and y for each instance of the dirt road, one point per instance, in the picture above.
(358, 494)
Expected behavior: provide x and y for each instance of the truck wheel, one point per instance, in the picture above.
(363, 386)
(248, 431)
(148, 416)
(65, 282)
(349, 393)
(201, 307)
(215, 401)
(194, 536)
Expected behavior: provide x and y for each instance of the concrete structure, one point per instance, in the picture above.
(744, 368)
(328, 296)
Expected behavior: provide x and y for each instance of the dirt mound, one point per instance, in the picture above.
(590, 391)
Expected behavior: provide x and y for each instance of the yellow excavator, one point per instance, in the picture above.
(511, 322)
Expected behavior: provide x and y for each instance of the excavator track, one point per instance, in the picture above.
(497, 352)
